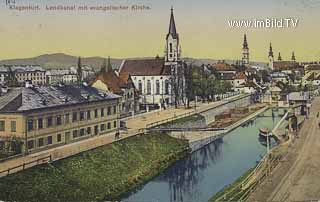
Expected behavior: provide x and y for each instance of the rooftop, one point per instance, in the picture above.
(21, 68)
(145, 67)
(52, 96)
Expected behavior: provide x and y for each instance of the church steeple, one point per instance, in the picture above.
(270, 51)
(245, 51)
(279, 57)
(172, 26)
(271, 58)
(293, 57)
(172, 52)
(245, 43)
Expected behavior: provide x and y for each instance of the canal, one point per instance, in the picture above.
(205, 172)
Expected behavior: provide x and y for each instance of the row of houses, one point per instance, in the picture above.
(37, 75)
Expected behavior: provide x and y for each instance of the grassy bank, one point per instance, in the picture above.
(97, 175)
(230, 191)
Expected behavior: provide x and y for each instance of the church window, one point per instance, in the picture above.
(157, 87)
(166, 87)
(170, 45)
(149, 87)
(140, 86)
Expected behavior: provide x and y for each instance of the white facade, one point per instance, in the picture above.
(153, 89)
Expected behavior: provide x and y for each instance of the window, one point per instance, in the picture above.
(67, 118)
(140, 86)
(114, 109)
(59, 120)
(2, 125)
(82, 132)
(170, 46)
(96, 130)
(40, 123)
(59, 138)
(74, 116)
(49, 138)
(157, 87)
(95, 113)
(13, 126)
(167, 87)
(40, 142)
(103, 127)
(102, 112)
(75, 133)
(30, 125)
(49, 121)
(115, 124)
(89, 130)
(88, 114)
(109, 125)
(109, 111)
(30, 144)
(81, 116)
(149, 87)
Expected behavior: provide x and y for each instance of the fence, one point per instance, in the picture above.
(23, 166)
(194, 112)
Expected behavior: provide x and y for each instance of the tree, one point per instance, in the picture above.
(10, 79)
(189, 83)
(79, 71)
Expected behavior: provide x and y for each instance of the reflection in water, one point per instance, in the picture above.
(206, 171)
(186, 177)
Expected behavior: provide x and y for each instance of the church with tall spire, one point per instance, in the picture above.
(160, 81)
(245, 51)
(280, 64)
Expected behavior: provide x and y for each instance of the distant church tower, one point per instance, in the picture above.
(279, 57)
(173, 49)
(245, 51)
(271, 58)
(293, 57)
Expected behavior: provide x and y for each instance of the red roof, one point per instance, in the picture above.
(223, 67)
(241, 75)
(113, 82)
(285, 65)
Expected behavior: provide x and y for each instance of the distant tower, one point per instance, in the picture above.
(271, 58)
(293, 57)
(173, 50)
(279, 57)
(245, 51)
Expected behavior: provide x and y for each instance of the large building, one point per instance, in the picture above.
(160, 81)
(42, 117)
(109, 81)
(24, 73)
(286, 66)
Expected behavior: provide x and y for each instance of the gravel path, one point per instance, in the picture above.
(297, 178)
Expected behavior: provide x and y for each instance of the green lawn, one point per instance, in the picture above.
(97, 175)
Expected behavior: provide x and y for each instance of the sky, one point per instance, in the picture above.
(201, 24)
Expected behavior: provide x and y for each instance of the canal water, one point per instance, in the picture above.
(205, 172)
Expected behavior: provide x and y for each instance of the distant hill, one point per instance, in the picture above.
(60, 61)
(63, 61)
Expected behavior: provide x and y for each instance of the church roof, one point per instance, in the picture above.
(285, 65)
(145, 67)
